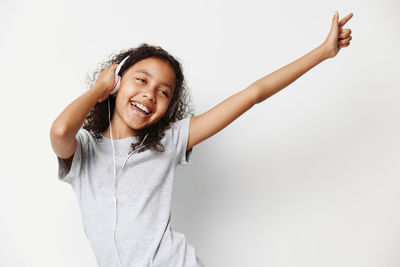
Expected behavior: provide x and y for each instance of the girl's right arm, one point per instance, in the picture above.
(68, 123)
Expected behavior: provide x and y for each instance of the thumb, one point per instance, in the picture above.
(335, 20)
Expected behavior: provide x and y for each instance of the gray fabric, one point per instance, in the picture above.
(144, 191)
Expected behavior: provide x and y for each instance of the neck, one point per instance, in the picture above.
(119, 132)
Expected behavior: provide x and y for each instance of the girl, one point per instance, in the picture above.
(147, 129)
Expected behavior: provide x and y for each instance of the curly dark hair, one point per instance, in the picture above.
(179, 107)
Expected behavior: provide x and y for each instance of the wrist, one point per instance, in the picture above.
(100, 91)
(323, 52)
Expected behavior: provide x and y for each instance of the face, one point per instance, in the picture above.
(144, 95)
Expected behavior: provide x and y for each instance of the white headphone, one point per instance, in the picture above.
(114, 90)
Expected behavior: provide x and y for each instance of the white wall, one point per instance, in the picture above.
(309, 177)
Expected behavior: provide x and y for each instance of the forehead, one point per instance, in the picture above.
(156, 69)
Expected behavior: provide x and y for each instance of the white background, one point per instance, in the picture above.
(309, 177)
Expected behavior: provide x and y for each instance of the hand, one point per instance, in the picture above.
(106, 78)
(337, 37)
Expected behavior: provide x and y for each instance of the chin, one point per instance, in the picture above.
(139, 126)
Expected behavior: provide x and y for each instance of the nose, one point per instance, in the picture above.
(149, 95)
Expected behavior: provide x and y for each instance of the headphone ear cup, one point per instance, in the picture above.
(118, 78)
(116, 84)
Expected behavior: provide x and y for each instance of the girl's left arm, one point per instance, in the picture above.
(214, 120)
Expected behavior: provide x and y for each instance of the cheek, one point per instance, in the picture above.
(163, 109)
(129, 86)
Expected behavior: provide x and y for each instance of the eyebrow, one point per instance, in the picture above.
(148, 74)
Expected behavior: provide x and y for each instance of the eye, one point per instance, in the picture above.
(164, 92)
(143, 81)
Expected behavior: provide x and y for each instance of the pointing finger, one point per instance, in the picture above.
(343, 21)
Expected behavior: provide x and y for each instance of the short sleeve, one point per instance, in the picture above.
(69, 175)
(180, 139)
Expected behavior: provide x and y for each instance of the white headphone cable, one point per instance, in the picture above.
(115, 196)
(114, 180)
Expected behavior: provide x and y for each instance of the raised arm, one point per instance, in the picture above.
(67, 124)
(214, 120)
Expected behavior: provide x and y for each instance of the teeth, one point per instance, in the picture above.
(141, 107)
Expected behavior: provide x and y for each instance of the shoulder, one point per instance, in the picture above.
(85, 136)
(180, 123)
(69, 168)
(180, 140)
(84, 140)
(177, 127)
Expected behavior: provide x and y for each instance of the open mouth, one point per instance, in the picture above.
(140, 108)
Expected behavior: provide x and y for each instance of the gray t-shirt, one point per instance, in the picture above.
(144, 192)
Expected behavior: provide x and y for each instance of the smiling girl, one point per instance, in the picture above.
(148, 128)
